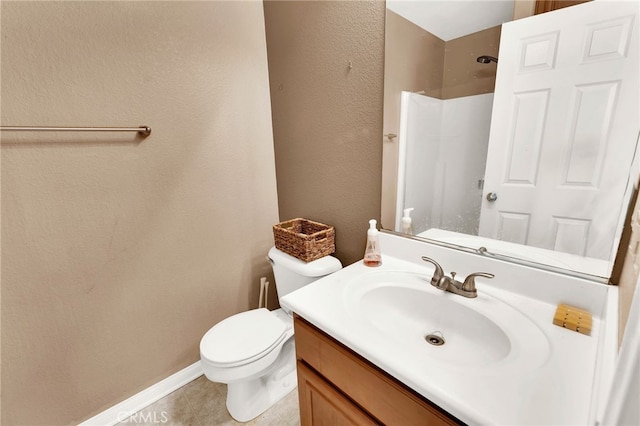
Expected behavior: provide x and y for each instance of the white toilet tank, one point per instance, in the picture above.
(291, 273)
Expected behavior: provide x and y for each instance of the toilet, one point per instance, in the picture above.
(253, 352)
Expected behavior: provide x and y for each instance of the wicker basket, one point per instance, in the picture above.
(304, 239)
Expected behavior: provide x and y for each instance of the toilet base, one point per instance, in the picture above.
(247, 400)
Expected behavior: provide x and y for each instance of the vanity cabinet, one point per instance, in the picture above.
(338, 387)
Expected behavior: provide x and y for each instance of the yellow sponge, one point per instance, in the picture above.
(573, 318)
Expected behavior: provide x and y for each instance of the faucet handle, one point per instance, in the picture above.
(470, 282)
(437, 274)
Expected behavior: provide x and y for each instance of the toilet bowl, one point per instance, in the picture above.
(253, 352)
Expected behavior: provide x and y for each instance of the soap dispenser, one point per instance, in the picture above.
(372, 256)
(406, 221)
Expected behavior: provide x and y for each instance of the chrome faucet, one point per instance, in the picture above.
(450, 284)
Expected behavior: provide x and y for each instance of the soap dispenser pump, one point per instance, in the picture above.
(406, 221)
(372, 256)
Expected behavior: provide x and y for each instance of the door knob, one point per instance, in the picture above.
(492, 196)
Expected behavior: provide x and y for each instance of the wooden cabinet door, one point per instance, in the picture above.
(322, 405)
(360, 383)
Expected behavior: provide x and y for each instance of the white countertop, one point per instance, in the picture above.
(555, 383)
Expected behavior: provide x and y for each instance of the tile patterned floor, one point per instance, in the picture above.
(202, 403)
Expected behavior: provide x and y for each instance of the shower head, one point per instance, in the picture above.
(484, 59)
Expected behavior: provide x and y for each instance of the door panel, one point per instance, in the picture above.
(530, 110)
(564, 128)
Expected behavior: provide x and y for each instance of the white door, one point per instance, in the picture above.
(564, 128)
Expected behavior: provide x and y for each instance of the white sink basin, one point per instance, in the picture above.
(403, 308)
(502, 357)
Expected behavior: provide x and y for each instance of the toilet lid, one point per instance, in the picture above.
(243, 337)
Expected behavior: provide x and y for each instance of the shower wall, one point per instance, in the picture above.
(465, 138)
(442, 160)
(119, 253)
(420, 151)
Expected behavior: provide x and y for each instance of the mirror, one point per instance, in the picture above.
(482, 154)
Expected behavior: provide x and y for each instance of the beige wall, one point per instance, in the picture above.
(414, 58)
(523, 8)
(327, 116)
(463, 75)
(117, 253)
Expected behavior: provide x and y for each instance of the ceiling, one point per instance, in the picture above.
(449, 19)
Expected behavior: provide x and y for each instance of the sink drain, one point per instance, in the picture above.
(436, 338)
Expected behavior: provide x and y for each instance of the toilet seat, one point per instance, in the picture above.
(242, 338)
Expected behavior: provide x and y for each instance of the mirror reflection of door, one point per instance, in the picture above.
(445, 213)
(564, 129)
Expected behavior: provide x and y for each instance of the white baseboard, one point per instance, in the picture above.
(153, 393)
